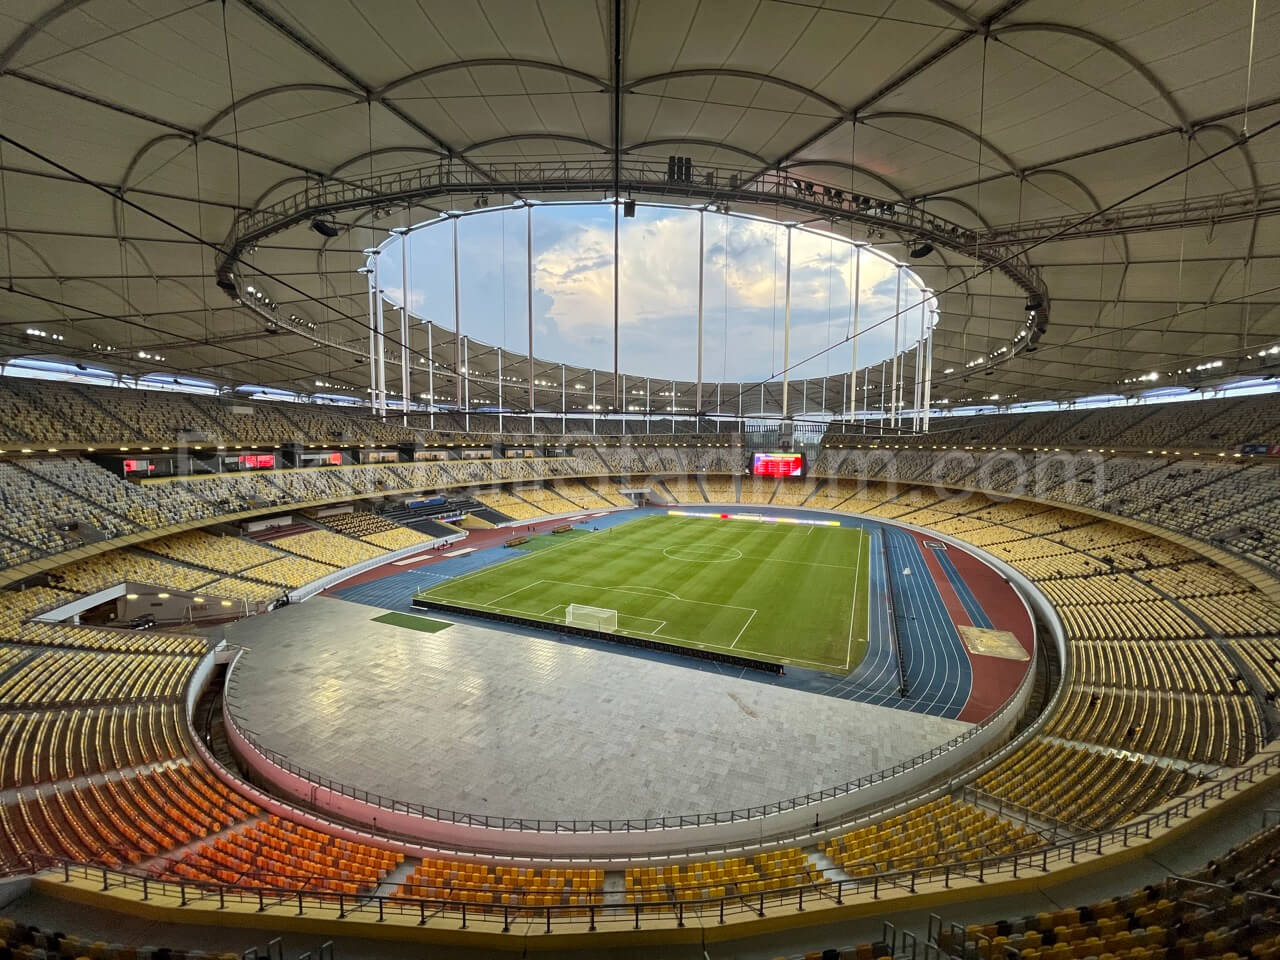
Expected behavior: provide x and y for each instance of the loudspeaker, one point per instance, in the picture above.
(628, 208)
(324, 228)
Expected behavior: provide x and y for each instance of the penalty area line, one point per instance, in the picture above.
(515, 591)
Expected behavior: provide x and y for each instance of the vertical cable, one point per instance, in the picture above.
(982, 111)
(773, 322)
(504, 277)
(4, 222)
(617, 292)
(405, 388)
(458, 362)
(124, 264)
(854, 305)
(702, 266)
(203, 250)
(231, 87)
(831, 258)
(1182, 233)
(786, 330)
(982, 115)
(724, 363)
(1248, 77)
(528, 253)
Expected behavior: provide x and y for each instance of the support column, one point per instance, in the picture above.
(431, 374)
(916, 357)
(381, 391)
(919, 385)
(928, 378)
(857, 303)
(897, 346)
(884, 366)
(499, 390)
(648, 404)
(372, 273)
(617, 271)
(786, 336)
(405, 287)
(866, 400)
(466, 385)
(528, 252)
(593, 400)
(564, 401)
(458, 362)
(702, 253)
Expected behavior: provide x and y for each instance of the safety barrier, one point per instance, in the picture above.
(644, 643)
(703, 912)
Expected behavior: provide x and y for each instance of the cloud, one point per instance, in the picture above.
(744, 292)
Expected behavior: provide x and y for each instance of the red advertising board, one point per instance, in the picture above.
(778, 464)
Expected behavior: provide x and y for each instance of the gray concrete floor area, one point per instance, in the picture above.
(481, 721)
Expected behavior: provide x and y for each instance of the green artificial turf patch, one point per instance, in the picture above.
(425, 624)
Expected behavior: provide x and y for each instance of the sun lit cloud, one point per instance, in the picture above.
(744, 292)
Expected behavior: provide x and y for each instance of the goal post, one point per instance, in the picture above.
(592, 618)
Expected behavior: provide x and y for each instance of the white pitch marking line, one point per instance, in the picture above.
(488, 568)
(517, 590)
(853, 606)
(638, 588)
(596, 586)
(744, 628)
(653, 632)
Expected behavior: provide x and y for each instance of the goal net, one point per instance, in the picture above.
(593, 618)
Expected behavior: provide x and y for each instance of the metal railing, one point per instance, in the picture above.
(602, 176)
(706, 181)
(813, 894)
(1181, 213)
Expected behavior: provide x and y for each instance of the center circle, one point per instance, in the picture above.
(692, 553)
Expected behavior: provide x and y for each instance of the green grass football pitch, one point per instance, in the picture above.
(779, 592)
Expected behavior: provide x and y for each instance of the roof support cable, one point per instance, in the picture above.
(1248, 76)
(1102, 211)
(1182, 231)
(231, 89)
(201, 248)
(4, 223)
(982, 116)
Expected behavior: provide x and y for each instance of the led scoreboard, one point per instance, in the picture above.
(778, 464)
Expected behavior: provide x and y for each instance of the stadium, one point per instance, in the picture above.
(775, 479)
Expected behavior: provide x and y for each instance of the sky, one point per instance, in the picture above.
(744, 275)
